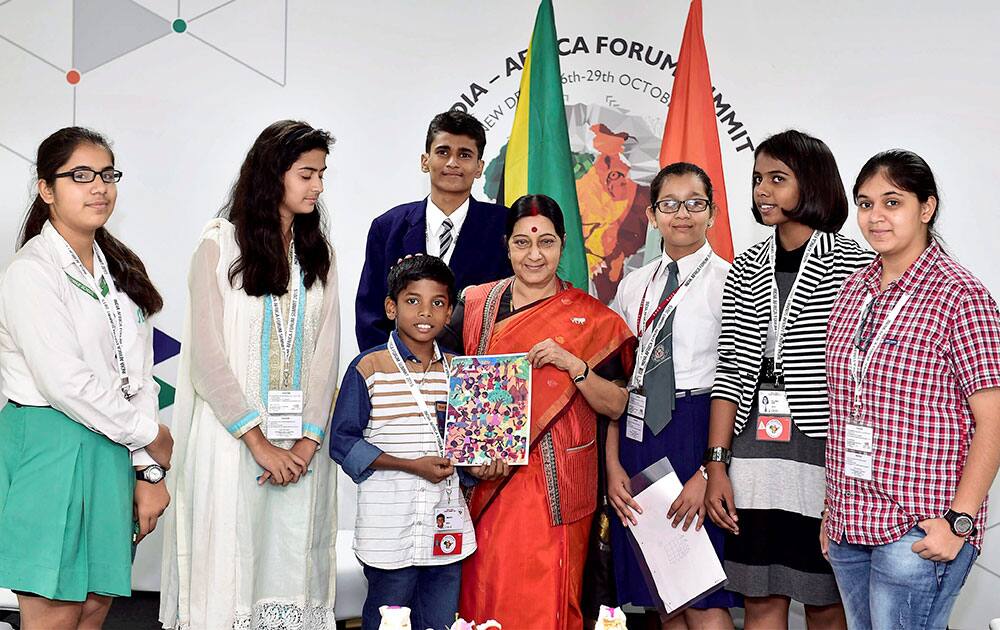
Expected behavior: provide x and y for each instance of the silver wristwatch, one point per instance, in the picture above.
(151, 474)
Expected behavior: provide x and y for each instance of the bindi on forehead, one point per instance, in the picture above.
(534, 228)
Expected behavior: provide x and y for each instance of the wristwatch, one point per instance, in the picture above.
(961, 524)
(582, 377)
(717, 454)
(151, 474)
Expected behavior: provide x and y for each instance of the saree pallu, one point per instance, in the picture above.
(533, 527)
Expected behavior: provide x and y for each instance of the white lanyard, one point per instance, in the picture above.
(649, 342)
(418, 396)
(778, 323)
(861, 361)
(286, 330)
(640, 321)
(112, 308)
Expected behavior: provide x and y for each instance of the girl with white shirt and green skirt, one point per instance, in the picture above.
(76, 362)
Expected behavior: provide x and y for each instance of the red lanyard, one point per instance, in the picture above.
(640, 328)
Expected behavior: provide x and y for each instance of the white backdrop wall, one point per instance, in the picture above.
(183, 107)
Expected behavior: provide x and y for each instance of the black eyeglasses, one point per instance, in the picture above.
(84, 175)
(673, 206)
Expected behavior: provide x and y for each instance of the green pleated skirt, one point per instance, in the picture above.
(65, 507)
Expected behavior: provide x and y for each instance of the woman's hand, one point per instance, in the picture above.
(161, 449)
(281, 466)
(824, 540)
(719, 498)
(620, 493)
(497, 469)
(548, 352)
(690, 503)
(149, 500)
(305, 449)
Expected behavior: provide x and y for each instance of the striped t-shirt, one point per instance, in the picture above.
(376, 413)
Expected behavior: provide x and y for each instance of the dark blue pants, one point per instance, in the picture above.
(431, 594)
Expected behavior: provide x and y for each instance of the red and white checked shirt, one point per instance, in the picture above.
(943, 347)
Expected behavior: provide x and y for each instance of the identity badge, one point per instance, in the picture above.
(774, 420)
(284, 427)
(448, 544)
(284, 402)
(449, 519)
(858, 465)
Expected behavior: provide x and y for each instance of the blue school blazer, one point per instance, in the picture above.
(480, 256)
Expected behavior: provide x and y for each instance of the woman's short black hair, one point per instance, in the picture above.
(534, 206)
(420, 267)
(822, 201)
(675, 170)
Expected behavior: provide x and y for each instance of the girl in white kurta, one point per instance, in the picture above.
(251, 535)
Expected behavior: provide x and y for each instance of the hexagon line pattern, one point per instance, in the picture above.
(98, 41)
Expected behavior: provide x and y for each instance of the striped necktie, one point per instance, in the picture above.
(445, 237)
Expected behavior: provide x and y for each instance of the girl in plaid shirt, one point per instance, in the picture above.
(913, 370)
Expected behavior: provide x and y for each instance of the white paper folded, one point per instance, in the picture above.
(680, 567)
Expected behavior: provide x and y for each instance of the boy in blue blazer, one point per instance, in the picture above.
(465, 233)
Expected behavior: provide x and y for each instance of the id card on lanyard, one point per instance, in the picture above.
(859, 435)
(774, 414)
(647, 330)
(285, 405)
(449, 518)
(102, 291)
(774, 418)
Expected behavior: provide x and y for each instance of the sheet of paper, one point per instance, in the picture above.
(666, 553)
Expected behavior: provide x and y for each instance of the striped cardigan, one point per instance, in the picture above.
(746, 314)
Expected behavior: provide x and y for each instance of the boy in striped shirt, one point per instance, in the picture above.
(386, 433)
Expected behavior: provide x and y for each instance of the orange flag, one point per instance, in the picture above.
(691, 133)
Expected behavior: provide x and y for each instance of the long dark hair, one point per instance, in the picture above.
(126, 269)
(909, 172)
(262, 265)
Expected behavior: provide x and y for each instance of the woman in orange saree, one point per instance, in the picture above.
(532, 527)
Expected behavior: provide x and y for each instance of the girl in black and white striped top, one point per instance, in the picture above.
(770, 400)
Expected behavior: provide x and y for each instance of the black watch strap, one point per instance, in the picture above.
(962, 524)
(151, 474)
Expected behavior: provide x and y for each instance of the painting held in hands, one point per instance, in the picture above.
(489, 410)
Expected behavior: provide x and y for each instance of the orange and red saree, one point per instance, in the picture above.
(532, 528)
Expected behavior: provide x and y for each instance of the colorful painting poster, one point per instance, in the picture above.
(489, 410)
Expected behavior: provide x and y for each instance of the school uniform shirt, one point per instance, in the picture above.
(943, 347)
(435, 218)
(697, 320)
(56, 347)
(746, 317)
(376, 413)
